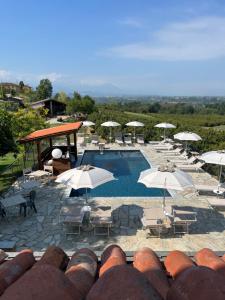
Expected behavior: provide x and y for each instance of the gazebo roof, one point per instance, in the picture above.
(50, 132)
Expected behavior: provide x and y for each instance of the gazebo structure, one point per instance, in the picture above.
(46, 137)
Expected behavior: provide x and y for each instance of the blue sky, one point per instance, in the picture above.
(170, 47)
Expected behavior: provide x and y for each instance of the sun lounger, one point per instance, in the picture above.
(175, 152)
(163, 147)
(101, 221)
(140, 139)
(73, 216)
(195, 167)
(119, 139)
(127, 140)
(183, 161)
(209, 189)
(183, 219)
(94, 139)
(217, 203)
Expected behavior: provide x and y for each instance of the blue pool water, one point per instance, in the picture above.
(126, 167)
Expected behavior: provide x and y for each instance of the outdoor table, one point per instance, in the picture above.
(13, 201)
(39, 173)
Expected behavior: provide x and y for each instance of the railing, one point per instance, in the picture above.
(10, 173)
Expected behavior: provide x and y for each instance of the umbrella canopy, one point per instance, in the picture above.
(216, 158)
(110, 124)
(135, 124)
(87, 123)
(85, 176)
(166, 177)
(165, 126)
(187, 136)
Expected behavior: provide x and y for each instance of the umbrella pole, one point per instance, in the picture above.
(164, 196)
(110, 135)
(86, 196)
(220, 174)
(164, 134)
(134, 135)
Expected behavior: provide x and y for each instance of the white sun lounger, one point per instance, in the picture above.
(183, 161)
(127, 140)
(216, 203)
(209, 189)
(119, 139)
(140, 139)
(94, 139)
(194, 167)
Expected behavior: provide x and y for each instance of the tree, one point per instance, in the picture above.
(26, 121)
(62, 97)
(44, 89)
(7, 143)
(21, 85)
(78, 104)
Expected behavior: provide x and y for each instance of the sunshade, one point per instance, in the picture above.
(110, 124)
(87, 123)
(165, 126)
(166, 177)
(85, 176)
(187, 136)
(135, 124)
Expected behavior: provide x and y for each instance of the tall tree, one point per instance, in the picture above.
(21, 85)
(44, 89)
(7, 142)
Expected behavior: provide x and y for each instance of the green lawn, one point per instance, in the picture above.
(6, 160)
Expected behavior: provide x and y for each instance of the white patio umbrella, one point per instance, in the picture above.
(166, 177)
(216, 158)
(135, 124)
(85, 176)
(87, 124)
(187, 136)
(110, 124)
(165, 126)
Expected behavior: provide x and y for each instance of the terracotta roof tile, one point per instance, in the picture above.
(53, 131)
(55, 276)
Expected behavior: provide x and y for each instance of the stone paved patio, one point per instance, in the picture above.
(40, 230)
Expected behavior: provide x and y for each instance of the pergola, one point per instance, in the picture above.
(48, 134)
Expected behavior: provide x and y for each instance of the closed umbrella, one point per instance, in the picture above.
(135, 124)
(165, 126)
(216, 158)
(187, 136)
(166, 177)
(110, 124)
(85, 176)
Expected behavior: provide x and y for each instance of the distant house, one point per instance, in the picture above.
(9, 87)
(13, 99)
(54, 107)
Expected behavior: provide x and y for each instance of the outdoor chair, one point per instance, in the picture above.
(101, 220)
(209, 189)
(73, 217)
(30, 203)
(183, 219)
(216, 203)
(140, 139)
(195, 167)
(184, 161)
(2, 210)
(127, 140)
(94, 139)
(26, 174)
(119, 139)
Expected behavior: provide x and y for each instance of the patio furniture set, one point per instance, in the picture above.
(159, 221)
(76, 217)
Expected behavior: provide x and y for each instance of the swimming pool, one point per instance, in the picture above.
(126, 167)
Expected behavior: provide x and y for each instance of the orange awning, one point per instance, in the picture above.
(50, 132)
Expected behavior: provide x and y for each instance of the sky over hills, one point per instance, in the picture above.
(174, 47)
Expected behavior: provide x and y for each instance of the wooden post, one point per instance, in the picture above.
(50, 143)
(51, 108)
(68, 145)
(39, 155)
(75, 144)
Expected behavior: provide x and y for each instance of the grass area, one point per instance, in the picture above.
(6, 160)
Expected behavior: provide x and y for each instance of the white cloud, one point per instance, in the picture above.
(198, 39)
(132, 22)
(53, 77)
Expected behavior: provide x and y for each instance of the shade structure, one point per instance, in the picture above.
(135, 124)
(87, 123)
(187, 136)
(110, 124)
(85, 176)
(165, 126)
(216, 158)
(166, 177)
